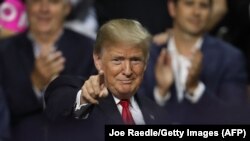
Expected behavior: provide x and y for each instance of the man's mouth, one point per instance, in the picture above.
(126, 81)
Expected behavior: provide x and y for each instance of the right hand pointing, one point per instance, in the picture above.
(94, 89)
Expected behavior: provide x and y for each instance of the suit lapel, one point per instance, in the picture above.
(61, 42)
(110, 110)
(26, 53)
(210, 58)
(147, 111)
(112, 115)
(64, 43)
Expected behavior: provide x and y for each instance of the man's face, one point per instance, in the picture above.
(123, 66)
(191, 16)
(46, 16)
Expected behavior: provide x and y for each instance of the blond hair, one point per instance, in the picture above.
(123, 31)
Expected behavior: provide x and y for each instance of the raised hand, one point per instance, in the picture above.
(94, 89)
(194, 71)
(164, 72)
(47, 66)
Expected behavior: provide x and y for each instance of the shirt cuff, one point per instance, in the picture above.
(198, 92)
(161, 101)
(38, 93)
(78, 101)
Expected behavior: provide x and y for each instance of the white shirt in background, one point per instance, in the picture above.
(180, 65)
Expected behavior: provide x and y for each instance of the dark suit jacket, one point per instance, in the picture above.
(17, 62)
(224, 75)
(60, 100)
(4, 119)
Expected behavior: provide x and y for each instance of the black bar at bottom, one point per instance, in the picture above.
(177, 132)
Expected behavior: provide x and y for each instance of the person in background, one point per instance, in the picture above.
(30, 60)
(82, 18)
(198, 79)
(234, 28)
(218, 11)
(4, 114)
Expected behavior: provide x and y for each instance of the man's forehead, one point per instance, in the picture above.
(122, 47)
(122, 52)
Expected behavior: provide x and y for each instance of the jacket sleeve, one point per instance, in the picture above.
(60, 97)
(4, 118)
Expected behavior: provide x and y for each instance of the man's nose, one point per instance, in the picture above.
(197, 10)
(127, 68)
(44, 5)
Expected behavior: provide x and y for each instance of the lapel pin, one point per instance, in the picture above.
(152, 117)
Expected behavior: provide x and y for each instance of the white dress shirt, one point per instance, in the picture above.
(133, 107)
(180, 65)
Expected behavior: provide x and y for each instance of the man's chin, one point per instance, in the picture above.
(125, 94)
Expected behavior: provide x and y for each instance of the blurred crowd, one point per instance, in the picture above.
(198, 70)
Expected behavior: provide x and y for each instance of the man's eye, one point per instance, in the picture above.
(116, 61)
(204, 5)
(136, 61)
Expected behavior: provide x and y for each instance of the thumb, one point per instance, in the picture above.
(161, 58)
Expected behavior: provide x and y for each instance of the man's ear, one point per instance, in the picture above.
(171, 8)
(97, 61)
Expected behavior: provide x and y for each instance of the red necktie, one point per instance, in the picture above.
(126, 115)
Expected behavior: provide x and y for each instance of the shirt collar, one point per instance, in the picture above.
(132, 100)
(36, 45)
(172, 46)
(31, 37)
